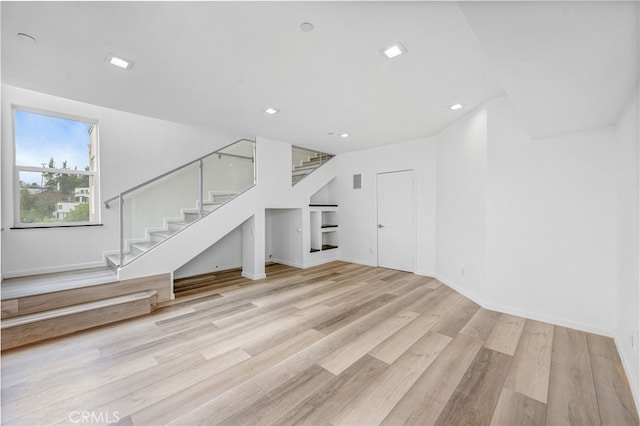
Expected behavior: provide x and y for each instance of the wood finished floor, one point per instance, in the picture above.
(339, 344)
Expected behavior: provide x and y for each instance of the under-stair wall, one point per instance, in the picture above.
(272, 190)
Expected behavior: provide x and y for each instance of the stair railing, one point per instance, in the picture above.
(300, 156)
(173, 194)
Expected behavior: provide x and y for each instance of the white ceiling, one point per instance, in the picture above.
(565, 66)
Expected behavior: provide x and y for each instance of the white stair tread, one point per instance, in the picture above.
(163, 234)
(144, 245)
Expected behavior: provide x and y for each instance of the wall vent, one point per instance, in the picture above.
(357, 181)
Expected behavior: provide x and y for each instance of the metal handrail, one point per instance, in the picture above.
(200, 202)
(199, 159)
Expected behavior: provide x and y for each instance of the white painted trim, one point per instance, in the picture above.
(319, 262)
(172, 278)
(254, 277)
(635, 387)
(525, 314)
(357, 261)
(426, 274)
(55, 269)
(286, 262)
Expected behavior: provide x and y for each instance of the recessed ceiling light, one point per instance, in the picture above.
(120, 62)
(306, 27)
(26, 37)
(344, 135)
(394, 50)
(271, 111)
(455, 106)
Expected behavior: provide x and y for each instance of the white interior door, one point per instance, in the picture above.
(396, 221)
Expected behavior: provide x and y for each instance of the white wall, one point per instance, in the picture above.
(286, 236)
(523, 226)
(528, 226)
(357, 207)
(223, 255)
(132, 148)
(628, 236)
(461, 204)
(550, 223)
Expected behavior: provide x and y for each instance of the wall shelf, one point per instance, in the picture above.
(323, 227)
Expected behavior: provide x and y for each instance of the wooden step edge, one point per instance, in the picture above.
(75, 309)
(13, 295)
(34, 328)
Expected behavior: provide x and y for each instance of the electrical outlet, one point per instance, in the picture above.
(462, 271)
(634, 341)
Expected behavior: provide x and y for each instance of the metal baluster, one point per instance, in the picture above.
(201, 189)
(121, 230)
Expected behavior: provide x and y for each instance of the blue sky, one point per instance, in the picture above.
(40, 137)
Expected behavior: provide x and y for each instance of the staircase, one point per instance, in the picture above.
(51, 305)
(47, 306)
(306, 167)
(158, 235)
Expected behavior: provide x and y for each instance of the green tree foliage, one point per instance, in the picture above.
(41, 206)
(37, 207)
(79, 214)
(50, 178)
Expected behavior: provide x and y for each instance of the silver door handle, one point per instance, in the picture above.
(380, 226)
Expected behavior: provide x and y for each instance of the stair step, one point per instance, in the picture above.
(221, 198)
(190, 217)
(55, 295)
(304, 169)
(31, 328)
(160, 235)
(13, 288)
(177, 225)
(209, 207)
(115, 258)
(143, 246)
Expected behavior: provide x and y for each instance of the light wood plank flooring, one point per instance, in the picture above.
(338, 344)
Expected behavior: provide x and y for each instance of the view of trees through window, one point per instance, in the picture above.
(56, 165)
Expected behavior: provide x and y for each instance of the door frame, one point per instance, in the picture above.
(414, 221)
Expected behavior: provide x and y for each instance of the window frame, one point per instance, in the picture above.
(17, 218)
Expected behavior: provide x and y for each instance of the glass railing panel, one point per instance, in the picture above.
(228, 173)
(305, 161)
(147, 209)
(152, 212)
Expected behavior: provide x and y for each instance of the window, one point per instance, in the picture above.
(56, 167)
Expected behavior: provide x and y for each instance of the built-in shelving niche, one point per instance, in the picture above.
(323, 222)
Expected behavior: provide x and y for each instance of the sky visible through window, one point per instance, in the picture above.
(42, 137)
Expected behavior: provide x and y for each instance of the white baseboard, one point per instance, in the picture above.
(54, 269)
(319, 262)
(563, 322)
(631, 378)
(254, 276)
(426, 274)
(288, 263)
(357, 261)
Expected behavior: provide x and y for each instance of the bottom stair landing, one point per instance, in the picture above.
(51, 305)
